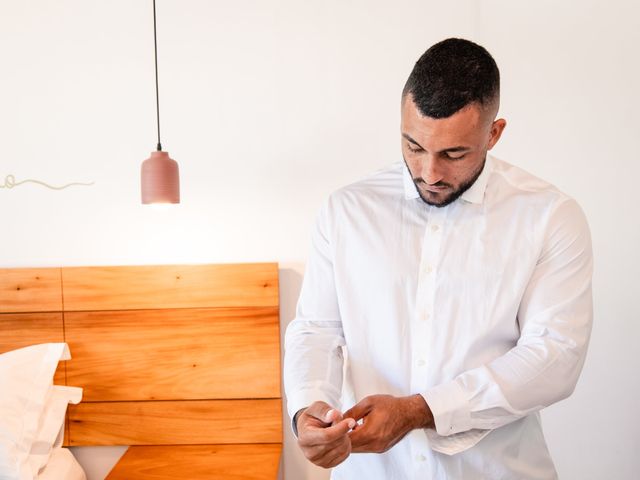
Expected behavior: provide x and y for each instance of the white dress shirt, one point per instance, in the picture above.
(483, 306)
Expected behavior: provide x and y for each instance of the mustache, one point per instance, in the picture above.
(420, 181)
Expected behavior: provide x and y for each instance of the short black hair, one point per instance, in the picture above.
(450, 75)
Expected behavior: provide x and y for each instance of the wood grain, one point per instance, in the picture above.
(181, 361)
(65, 440)
(231, 462)
(191, 422)
(18, 330)
(30, 290)
(175, 354)
(170, 286)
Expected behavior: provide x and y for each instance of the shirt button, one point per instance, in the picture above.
(420, 458)
(421, 363)
(428, 269)
(435, 228)
(425, 316)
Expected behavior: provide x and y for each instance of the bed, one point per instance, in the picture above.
(181, 362)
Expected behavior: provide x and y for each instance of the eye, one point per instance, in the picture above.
(454, 156)
(413, 148)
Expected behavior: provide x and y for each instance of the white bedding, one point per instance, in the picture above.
(62, 466)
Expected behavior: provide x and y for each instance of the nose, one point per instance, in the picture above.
(431, 170)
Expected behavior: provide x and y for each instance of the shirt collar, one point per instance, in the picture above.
(410, 191)
(475, 193)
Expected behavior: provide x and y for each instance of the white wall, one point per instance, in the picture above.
(270, 105)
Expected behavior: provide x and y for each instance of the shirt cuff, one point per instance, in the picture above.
(456, 443)
(450, 408)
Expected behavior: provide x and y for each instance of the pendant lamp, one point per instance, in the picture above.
(160, 181)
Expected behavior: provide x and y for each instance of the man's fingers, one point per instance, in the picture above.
(316, 453)
(360, 442)
(360, 437)
(358, 411)
(322, 436)
(336, 456)
(333, 416)
(342, 427)
(324, 412)
(364, 440)
(326, 446)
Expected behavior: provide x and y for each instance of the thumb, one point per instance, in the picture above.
(340, 428)
(324, 412)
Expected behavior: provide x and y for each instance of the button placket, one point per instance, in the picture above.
(426, 301)
(427, 276)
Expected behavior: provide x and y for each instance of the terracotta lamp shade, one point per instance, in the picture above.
(160, 179)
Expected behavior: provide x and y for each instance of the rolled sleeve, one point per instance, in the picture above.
(555, 318)
(313, 360)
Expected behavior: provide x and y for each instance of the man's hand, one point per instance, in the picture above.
(386, 420)
(323, 435)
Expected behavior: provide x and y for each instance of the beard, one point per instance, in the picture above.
(451, 196)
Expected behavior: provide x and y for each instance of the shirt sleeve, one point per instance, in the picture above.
(555, 317)
(313, 358)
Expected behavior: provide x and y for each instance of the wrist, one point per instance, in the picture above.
(421, 415)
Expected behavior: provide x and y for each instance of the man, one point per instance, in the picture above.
(452, 291)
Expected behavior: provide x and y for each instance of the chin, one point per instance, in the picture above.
(438, 199)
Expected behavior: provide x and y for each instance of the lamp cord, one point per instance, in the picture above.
(155, 45)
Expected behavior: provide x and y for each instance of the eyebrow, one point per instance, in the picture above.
(458, 148)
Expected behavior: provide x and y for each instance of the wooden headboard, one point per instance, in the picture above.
(180, 361)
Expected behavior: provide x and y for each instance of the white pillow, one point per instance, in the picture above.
(62, 466)
(25, 377)
(51, 426)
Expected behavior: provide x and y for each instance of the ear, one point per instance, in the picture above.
(496, 132)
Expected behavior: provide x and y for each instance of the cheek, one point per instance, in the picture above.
(459, 172)
(463, 173)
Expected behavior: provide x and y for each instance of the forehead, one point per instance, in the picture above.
(465, 127)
